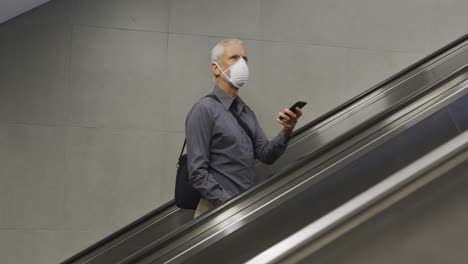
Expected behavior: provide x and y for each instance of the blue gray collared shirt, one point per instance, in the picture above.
(221, 156)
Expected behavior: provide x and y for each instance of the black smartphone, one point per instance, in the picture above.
(299, 104)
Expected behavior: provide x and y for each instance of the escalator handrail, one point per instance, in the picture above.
(446, 152)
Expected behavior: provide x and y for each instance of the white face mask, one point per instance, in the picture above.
(239, 73)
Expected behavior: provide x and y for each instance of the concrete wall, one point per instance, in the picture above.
(94, 93)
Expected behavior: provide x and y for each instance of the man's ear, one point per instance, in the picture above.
(216, 70)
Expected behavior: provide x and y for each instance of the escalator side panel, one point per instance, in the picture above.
(428, 227)
(459, 112)
(262, 172)
(138, 240)
(336, 189)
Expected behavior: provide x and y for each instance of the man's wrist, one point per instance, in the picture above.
(287, 133)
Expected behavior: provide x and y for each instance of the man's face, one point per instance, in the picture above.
(233, 51)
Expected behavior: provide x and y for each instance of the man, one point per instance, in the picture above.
(221, 156)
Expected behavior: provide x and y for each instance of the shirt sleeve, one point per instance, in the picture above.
(199, 124)
(268, 151)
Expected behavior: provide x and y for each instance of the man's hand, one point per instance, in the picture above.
(289, 120)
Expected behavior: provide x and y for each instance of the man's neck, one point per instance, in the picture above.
(227, 88)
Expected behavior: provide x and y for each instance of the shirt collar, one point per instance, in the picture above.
(226, 99)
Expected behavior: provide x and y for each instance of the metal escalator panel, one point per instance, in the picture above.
(418, 215)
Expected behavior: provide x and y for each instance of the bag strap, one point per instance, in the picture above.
(243, 125)
(239, 121)
(183, 147)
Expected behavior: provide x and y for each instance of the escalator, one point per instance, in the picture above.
(323, 163)
(316, 192)
(417, 215)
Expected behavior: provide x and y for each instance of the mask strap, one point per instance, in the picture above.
(222, 71)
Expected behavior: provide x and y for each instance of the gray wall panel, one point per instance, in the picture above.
(143, 182)
(37, 246)
(4, 194)
(305, 21)
(448, 22)
(92, 171)
(34, 77)
(397, 25)
(215, 18)
(118, 78)
(113, 175)
(137, 14)
(33, 175)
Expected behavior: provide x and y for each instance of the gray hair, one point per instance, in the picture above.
(218, 50)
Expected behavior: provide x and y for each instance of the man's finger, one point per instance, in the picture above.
(298, 112)
(284, 116)
(284, 124)
(280, 122)
(290, 113)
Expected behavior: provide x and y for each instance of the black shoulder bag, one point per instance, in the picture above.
(187, 197)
